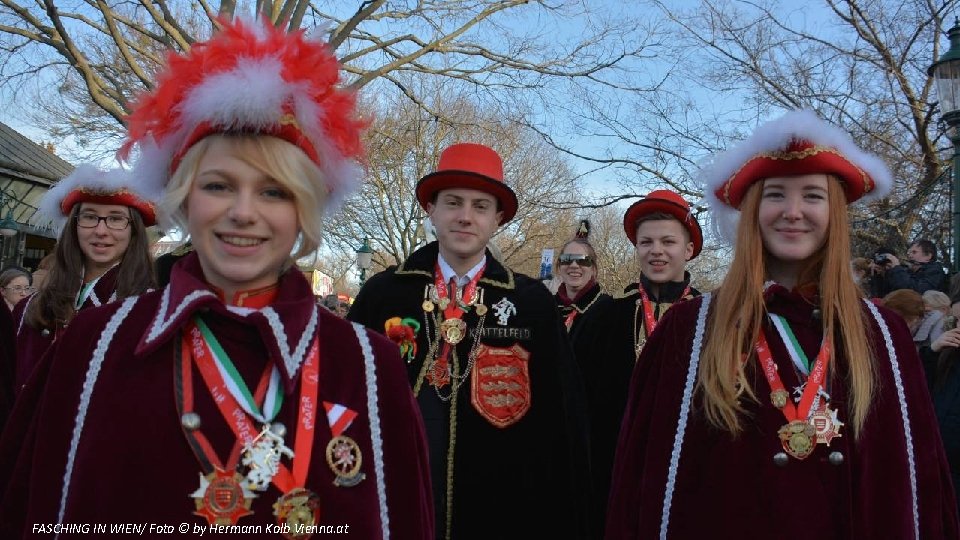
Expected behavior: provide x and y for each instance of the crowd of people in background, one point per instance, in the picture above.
(455, 397)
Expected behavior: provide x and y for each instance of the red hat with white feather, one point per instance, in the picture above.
(797, 143)
(250, 78)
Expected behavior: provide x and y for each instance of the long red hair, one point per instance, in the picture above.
(738, 311)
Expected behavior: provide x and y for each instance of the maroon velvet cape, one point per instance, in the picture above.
(731, 488)
(32, 342)
(133, 463)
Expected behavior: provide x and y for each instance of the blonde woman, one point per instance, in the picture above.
(228, 401)
(783, 405)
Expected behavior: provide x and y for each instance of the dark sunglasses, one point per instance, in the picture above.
(583, 260)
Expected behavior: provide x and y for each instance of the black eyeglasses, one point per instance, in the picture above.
(91, 221)
(582, 260)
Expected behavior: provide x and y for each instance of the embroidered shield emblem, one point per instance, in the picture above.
(500, 387)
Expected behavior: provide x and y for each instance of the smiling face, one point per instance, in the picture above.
(793, 218)
(102, 246)
(577, 273)
(465, 220)
(663, 249)
(242, 222)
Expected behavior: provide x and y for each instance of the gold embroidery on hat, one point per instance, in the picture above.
(794, 155)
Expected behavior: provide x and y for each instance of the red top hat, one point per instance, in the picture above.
(667, 202)
(469, 166)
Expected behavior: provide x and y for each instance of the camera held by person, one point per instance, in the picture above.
(920, 270)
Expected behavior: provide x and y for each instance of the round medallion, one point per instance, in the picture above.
(481, 310)
(298, 510)
(345, 459)
(453, 330)
(427, 306)
(797, 438)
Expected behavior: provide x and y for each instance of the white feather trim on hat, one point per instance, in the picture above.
(89, 178)
(773, 136)
(233, 84)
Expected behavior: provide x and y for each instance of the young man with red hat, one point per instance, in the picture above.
(783, 404)
(488, 362)
(666, 236)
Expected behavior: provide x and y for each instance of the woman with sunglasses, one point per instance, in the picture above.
(102, 255)
(579, 290)
(229, 401)
(666, 236)
(783, 405)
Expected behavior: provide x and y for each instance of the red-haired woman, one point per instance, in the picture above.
(783, 405)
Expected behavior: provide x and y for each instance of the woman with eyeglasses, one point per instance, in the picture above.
(579, 290)
(103, 255)
(15, 286)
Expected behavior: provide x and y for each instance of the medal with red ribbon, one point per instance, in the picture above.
(649, 321)
(453, 329)
(343, 453)
(264, 450)
(223, 496)
(799, 435)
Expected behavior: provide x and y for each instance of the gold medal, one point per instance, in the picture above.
(481, 310)
(345, 459)
(427, 306)
(797, 438)
(453, 330)
(779, 398)
(222, 497)
(297, 510)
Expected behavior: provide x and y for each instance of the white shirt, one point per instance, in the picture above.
(447, 271)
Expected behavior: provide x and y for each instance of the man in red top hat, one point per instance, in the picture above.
(666, 236)
(488, 362)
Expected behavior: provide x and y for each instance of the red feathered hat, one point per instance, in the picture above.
(666, 202)
(470, 166)
(89, 184)
(250, 78)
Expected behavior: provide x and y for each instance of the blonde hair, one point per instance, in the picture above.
(739, 311)
(936, 300)
(274, 157)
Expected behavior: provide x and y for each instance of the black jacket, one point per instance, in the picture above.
(528, 476)
(928, 276)
(605, 349)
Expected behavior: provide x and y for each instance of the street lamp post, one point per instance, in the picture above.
(946, 73)
(364, 259)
